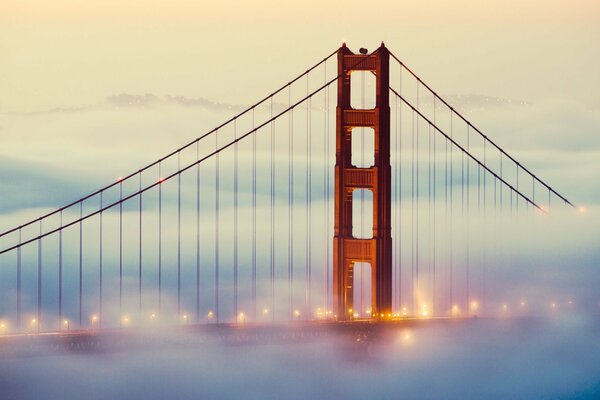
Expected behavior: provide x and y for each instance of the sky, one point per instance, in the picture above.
(91, 91)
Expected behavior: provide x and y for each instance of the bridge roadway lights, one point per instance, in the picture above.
(109, 340)
(348, 250)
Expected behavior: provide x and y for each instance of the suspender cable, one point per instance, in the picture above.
(517, 197)
(451, 217)
(429, 219)
(253, 220)
(501, 177)
(462, 202)
(60, 279)
(101, 267)
(433, 304)
(533, 188)
(412, 209)
(308, 203)
(446, 213)
(291, 207)
(235, 223)
(396, 209)
(417, 206)
(511, 200)
(39, 285)
(19, 294)
(216, 291)
(478, 189)
(325, 198)
(197, 233)
(399, 171)
(272, 210)
(140, 248)
(495, 196)
(484, 261)
(468, 224)
(60, 273)
(462, 184)
(120, 248)
(178, 236)
(484, 172)
(328, 202)
(160, 179)
(80, 265)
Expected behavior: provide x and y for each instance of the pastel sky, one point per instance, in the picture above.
(66, 53)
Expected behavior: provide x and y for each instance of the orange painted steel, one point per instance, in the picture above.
(348, 250)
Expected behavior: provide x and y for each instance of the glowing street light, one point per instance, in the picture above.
(406, 338)
(66, 324)
(241, 318)
(94, 320)
(297, 313)
(265, 311)
(35, 325)
(455, 310)
(125, 320)
(210, 315)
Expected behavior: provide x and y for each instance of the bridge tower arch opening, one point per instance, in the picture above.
(348, 249)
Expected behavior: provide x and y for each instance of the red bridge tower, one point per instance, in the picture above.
(348, 250)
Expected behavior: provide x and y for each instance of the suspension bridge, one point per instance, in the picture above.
(352, 193)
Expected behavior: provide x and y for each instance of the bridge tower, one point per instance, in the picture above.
(348, 250)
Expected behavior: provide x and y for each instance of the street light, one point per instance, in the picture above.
(94, 320)
(241, 318)
(66, 324)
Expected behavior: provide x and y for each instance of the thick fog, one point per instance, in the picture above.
(557, 358)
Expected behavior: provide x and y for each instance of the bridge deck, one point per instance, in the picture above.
(106, 340)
